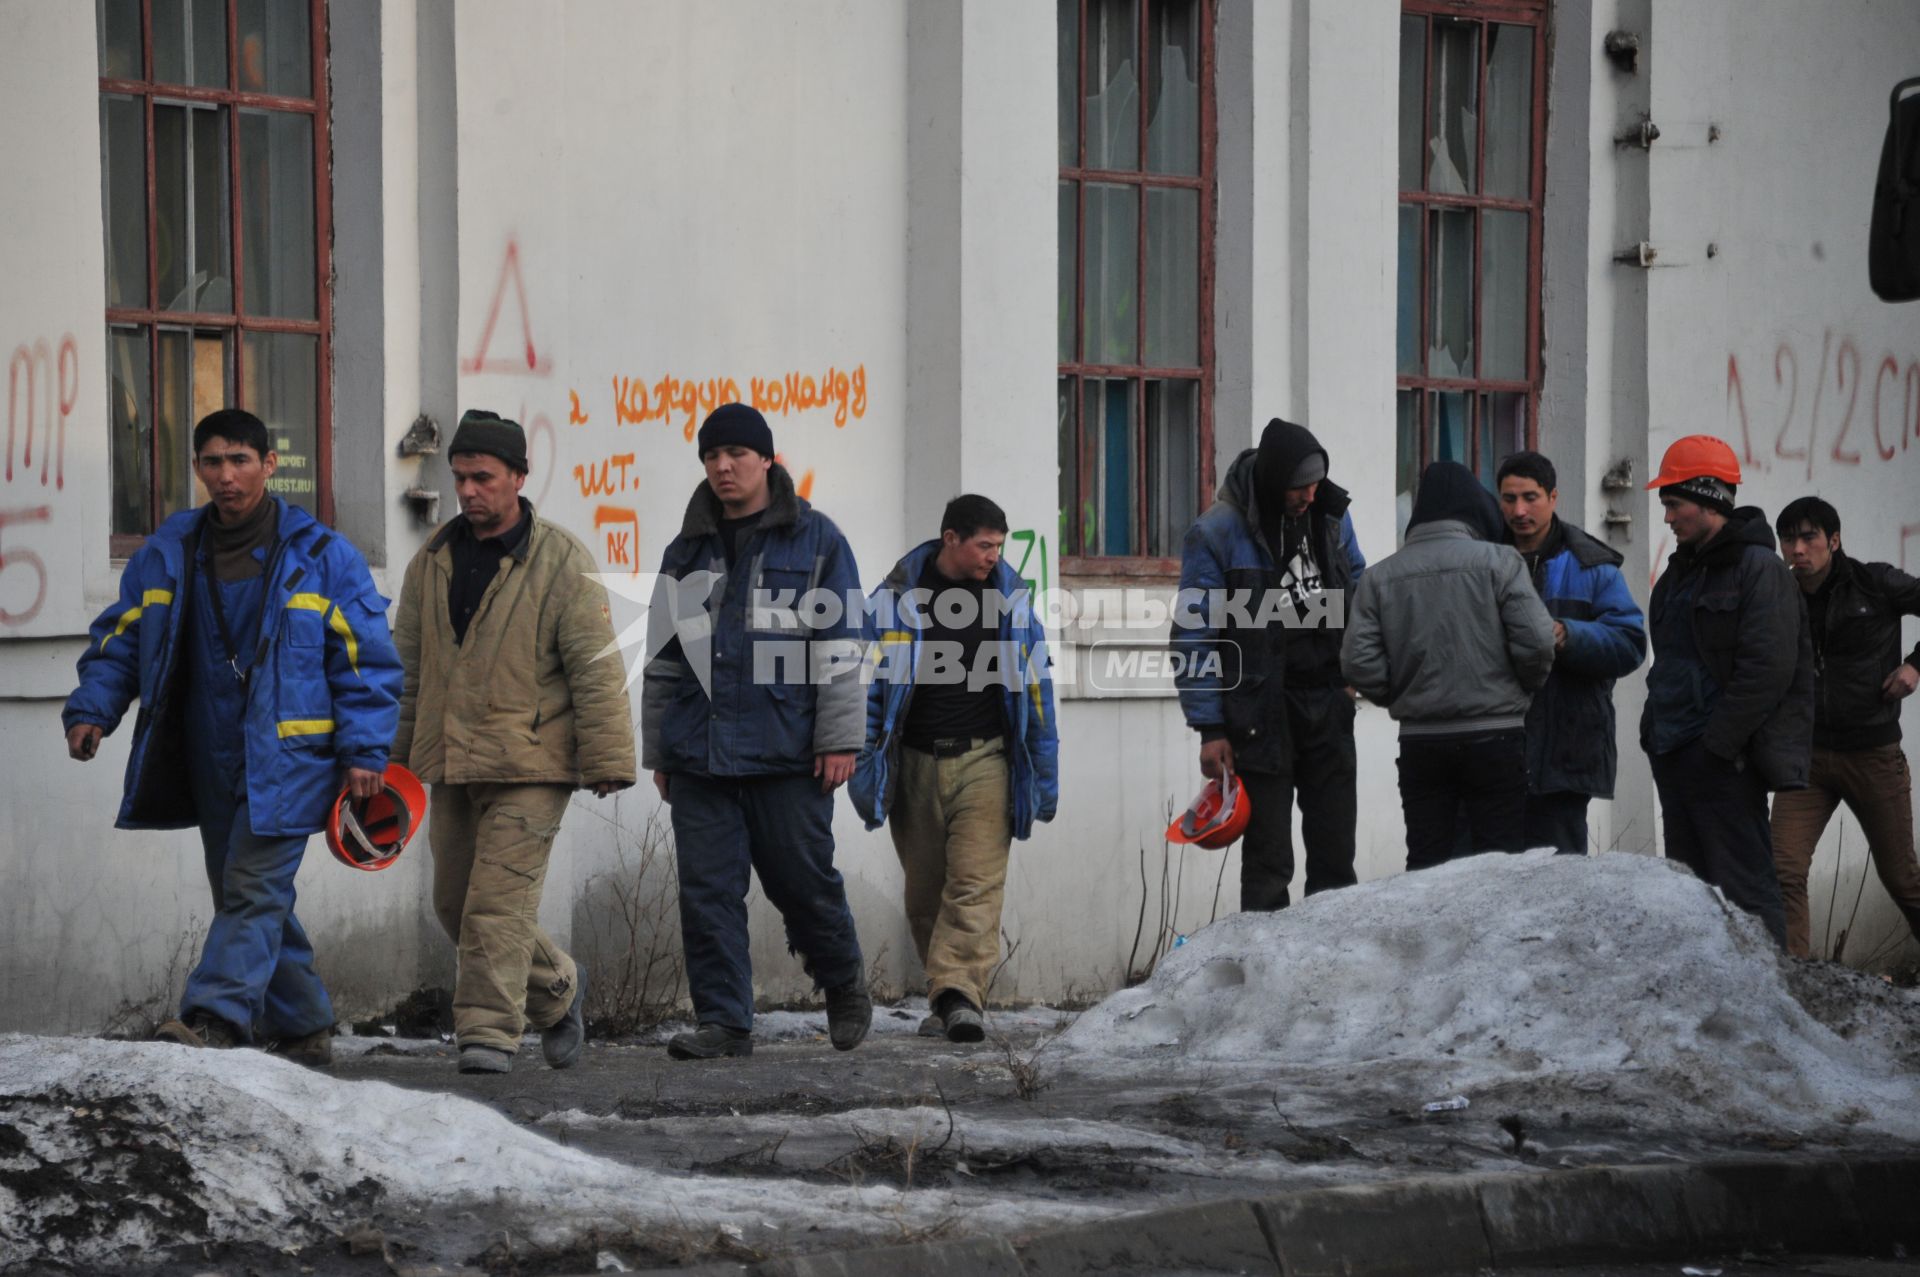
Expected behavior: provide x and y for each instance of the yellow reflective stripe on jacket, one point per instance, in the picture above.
(152, 598)
(337, 622)
(1033, 684)
(304, 727)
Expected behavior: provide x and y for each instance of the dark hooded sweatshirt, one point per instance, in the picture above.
(1306, 548)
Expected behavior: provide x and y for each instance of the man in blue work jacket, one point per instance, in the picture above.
(258, 648)
(751, 716)
(962, 755)
(1598, 636)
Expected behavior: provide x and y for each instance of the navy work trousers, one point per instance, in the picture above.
(1715, 818)
(780, 827)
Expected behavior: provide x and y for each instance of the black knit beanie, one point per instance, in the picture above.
(736, 425)
(1703, 490)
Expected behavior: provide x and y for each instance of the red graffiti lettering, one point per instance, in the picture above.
(59, 373)
(10, 559)
(532, 359)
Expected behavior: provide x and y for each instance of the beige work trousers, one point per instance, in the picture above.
(952, 827)
(490, 849)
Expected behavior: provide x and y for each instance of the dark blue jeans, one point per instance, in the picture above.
(780, 827)
(1558, 821)
(256, 968)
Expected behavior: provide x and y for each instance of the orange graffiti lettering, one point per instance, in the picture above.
(622, 547)
(845, 393)
(606, 477)
(576, 416)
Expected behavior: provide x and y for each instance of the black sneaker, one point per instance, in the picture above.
(562, 1041)
(710, 1042)
(849, 1015)
(199, 1029)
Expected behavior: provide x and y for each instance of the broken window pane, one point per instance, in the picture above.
(194, 376)
(190, 207)
(1173, 87)
(1503, 266)
(1113, 86)
(1455, 97)
(1509, 111)
(1450, 297)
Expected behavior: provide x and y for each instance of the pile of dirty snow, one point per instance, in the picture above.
(113, 1152)
(1617, 982)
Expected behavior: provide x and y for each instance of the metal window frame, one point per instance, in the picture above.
(1527, 13)
(151, 318)
(1073, 557)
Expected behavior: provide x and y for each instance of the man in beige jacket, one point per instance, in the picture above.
(507, 709)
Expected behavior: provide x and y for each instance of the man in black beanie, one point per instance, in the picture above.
(746, 749)
(1283, 723)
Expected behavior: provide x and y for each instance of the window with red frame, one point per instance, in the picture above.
(1472, 147)
(1136, 129)
(214, 190)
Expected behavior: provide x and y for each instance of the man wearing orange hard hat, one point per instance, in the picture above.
(1729, 711)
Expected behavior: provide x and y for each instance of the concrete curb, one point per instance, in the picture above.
(1450, 1224)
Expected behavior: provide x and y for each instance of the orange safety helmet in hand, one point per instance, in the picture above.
(1216, 818)
(371, 833)
(1694, 457)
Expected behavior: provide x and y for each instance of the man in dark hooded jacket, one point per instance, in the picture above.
(1275, 710)
(1450, 636)
(1729, 711)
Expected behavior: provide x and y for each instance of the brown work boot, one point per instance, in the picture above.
(199, 1029)
(313, 1051)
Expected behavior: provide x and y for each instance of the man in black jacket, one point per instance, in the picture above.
(1729, 711)
(1854, 610)
(1277, 714)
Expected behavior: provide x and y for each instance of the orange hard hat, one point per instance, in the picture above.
(1694, 457)
(1216, 818)
(370, 833)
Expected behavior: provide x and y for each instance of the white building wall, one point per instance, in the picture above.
(602, 218)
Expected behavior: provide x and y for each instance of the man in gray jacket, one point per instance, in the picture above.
(1450, 636)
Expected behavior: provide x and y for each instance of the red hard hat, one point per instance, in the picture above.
(1694, 456)
(371, 833)
(1216, 818)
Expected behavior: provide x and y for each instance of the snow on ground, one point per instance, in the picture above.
(111, 1150)
(1528, 978)
(1617, 992)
